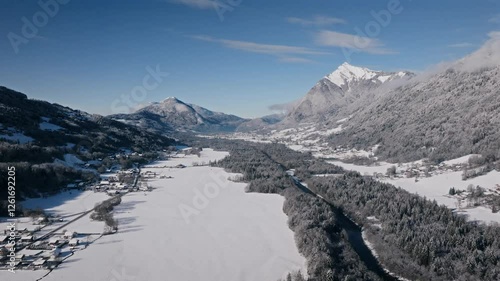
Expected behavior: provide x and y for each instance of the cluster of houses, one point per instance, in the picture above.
(113, 184)
(110, 187)
(416, 170)
(32, 253)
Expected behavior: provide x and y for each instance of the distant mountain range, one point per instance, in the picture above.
(24, 120)
(441, 114)
(260, 123)
(51, 145)
(173, 114)
(344, 90)
(444, 114)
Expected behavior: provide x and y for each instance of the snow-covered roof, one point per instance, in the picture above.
(39, 262)
(53, 240)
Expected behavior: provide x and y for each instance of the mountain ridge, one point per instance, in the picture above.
(172, 114)
(451, 113)
(343, 91)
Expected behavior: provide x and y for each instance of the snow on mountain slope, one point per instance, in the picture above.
(172, 109)
(174, 114)
(343, 91)
(446, 114)
(347, 73)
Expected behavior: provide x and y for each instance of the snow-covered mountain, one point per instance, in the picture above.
(49, 144)
(175, 112)
(172, 114)
(259, 123)
(447, 113)
(346, 75)
(40, 123)
(343, 91)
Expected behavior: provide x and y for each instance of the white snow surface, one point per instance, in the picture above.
(20, 137)
(460, 160)
(364, 170)
(234, 236)
(70, 160)
(384, 78)
(438, 186)
(24, 275)
(347, 73)
(66, 203)
(46, 126)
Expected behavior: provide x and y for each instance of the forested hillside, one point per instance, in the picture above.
(317, 233)
(441, 115)
(414, 237)
(42, 140)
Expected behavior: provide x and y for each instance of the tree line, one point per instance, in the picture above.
(318, 236)
(415, 238)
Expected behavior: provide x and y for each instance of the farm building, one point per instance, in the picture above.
(74, 242)
(69, 234)
(38, 263)
(27, 238)
(54, 241)
(55, 252)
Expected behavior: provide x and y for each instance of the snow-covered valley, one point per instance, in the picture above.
(434, 186)
(196, 225)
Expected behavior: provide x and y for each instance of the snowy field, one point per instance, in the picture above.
(66, 203)
(435, 187)
(194, 226)
(438, 186)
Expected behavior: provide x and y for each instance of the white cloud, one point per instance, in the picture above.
(316, 21)
(350, 41)
(461, 45)
(295, 60)
(494, 35)
(495, 19)
(488, 55)
(284, 53)
(199, 4)
(285, 107)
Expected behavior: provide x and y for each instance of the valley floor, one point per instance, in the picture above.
(197, 225)
(437, 187)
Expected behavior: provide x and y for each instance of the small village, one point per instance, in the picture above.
(46, 252)
(43, 241)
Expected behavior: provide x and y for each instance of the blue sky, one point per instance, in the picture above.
(235, 56)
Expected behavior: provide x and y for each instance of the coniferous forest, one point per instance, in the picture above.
(414, 238)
